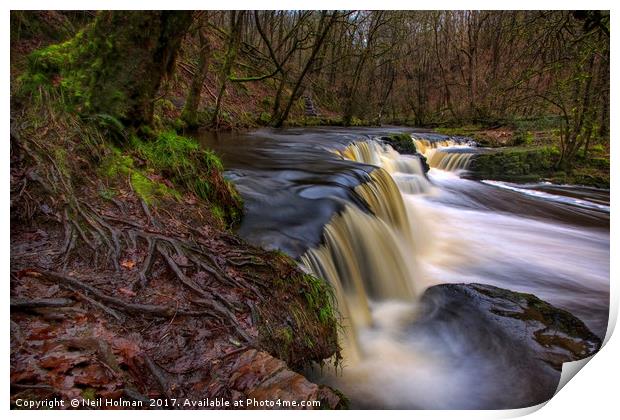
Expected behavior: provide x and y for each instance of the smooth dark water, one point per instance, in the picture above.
(291, 181)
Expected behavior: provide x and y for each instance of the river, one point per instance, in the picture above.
(365, 218)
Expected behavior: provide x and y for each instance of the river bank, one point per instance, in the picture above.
(153, 263)
(531, 155)
(127, 279)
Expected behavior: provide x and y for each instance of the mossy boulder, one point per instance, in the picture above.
(514, 163)
(403, 144)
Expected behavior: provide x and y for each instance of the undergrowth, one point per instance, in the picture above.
(192, 168)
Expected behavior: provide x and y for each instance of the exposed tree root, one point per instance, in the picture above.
(129, 299)
(136, 308)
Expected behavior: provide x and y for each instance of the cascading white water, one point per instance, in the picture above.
(380, 263)
(371, 258)
(551, 241)
(447, 155)
(406, 171)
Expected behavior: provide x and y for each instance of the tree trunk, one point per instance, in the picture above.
(190, 111)
(296, 90)
(128, 53)
(236, 19)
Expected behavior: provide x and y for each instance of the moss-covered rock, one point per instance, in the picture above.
(310, 330)
(514, 164)
(403, 144)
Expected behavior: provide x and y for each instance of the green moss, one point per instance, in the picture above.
(523, 138)
(121, 166)
(219, 214)
(264, 118)
(149, 190)
(60, 158)
(458, 131)
(116, 164)
(89, 394)
(193, 168)
(320, 298)
(106, 193)
(310, 331)
(57, 66)
(114, 65)
(515, 163)
(401, 142)
(286, 336)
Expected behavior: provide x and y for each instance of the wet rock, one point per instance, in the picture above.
(515, 342)
(404, 145)
(519, 164)
(261, 377)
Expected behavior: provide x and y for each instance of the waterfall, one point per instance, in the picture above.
(406, 171)
(370, 257)
(448, 155)
(448, 161)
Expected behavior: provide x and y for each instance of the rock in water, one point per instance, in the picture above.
(266, 383)
(404, 145)
(515, 343)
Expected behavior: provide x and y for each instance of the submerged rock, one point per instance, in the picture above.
(515, 342)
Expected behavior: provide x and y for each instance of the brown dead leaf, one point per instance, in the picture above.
(62, 362)
(127, 292)
(93, 375)
(128, 264)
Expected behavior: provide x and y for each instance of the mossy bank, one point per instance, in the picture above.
(123, 235)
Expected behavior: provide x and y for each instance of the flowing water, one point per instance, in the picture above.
(448, 155)
(369, 221)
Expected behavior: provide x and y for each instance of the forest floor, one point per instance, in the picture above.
(124, 284)
(127, 281)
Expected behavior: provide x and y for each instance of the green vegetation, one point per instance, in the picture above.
(515, 163)
(534, 163)
(313, 320)
(182, 163)
(112, 65)
(527, 150)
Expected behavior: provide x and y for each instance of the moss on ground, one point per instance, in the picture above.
(192, 168)
(117, 166)
(169, 164)
(312, 325)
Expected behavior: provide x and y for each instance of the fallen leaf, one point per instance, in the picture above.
(62, 362)
(128, 264)
(127, 292)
